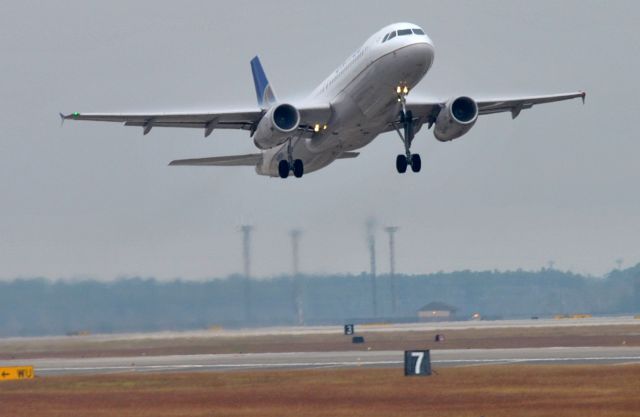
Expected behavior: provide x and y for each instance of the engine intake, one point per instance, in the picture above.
(286, 117)
(276, 125)
(456, 118)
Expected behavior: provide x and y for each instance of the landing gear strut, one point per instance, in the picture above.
(406, 135)
(287, 165)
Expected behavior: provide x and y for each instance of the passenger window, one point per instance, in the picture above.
(404, 32)
(385, 38)
(391, 35)
(418, 31)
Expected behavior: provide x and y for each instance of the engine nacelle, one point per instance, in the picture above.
(276, 126)
(455, 119)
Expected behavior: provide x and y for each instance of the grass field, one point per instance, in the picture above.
(628, 335)
(490, 391)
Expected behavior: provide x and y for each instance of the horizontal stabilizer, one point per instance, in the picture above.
(221, 161)
(348, 155)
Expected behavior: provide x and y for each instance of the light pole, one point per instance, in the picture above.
(391, 231)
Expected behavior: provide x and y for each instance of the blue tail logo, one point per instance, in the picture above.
(264, 92)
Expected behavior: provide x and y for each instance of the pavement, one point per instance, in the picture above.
(314, 360)
(314, 330)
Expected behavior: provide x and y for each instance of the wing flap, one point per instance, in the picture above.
(194, 125)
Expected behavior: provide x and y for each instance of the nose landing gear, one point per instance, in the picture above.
(288, 165)
(406, 135)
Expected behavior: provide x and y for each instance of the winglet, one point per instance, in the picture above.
(264, 93)
(74, 115)
(62, 117)
(584, 96)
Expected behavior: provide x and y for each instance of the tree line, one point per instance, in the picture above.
(38, 306)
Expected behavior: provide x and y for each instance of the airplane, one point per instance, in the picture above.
(364, 97)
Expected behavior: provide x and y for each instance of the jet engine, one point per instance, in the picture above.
(455, 119)
(276, 126)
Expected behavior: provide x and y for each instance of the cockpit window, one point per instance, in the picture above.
(418, 31)
(404, 32)
(385, 38)
(391, 35)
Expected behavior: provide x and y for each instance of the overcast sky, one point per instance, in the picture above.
(98, 200)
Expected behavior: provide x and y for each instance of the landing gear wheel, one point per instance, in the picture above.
(401, 164)
(283, 169)
(298, 168)
(416, 162)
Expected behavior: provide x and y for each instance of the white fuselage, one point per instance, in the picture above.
(362, 94)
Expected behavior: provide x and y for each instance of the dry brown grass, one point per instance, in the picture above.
(491, 391)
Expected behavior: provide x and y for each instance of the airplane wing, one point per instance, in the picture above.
(207, 121)
(427, 112)
(516, 105)
(242, 120)
(222, 161)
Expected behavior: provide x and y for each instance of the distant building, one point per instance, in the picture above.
(436, 311)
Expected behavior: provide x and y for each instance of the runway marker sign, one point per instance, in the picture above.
(349, 329)
(417, 363)
(357, 339)
(16, 372)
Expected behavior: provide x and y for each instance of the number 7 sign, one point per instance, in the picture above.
(417, 363)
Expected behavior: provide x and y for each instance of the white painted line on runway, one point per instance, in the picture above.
(214, 366)
(526, 360)
(142, 368)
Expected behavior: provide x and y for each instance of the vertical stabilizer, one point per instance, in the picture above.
(264, 92)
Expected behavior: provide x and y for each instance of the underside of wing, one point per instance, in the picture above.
(310, 116)
(244, 119)
(427, 112)
(517, 104)
(422, 113)
(222, 161)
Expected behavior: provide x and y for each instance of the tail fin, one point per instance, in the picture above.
(264, 92)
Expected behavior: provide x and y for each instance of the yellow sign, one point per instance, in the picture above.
(16, 372)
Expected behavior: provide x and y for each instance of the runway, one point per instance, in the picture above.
(335, 330)
(314, 360)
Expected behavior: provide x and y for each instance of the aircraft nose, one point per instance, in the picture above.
(411, 62)
(429, 41)
(423, 53)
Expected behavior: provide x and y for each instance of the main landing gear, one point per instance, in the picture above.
(406, 135)
(290, 165)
